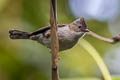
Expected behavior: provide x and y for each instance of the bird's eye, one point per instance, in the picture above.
(79, 26)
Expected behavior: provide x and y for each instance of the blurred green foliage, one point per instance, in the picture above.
(82, 79)
(28, 60)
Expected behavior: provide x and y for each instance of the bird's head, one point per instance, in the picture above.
(80, 25)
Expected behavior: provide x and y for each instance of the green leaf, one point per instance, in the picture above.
(95, 55)
(79, 62)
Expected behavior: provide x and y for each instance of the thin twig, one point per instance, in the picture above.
(54, 40)
(108, 40)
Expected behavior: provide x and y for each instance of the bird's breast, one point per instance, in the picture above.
(67, 38)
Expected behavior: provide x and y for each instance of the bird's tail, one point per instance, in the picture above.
(16, 34)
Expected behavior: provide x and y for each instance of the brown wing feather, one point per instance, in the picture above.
(44, 29)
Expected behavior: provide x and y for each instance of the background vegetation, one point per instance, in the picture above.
(28, 60)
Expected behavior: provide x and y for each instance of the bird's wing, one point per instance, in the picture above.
(41, 30)
(44, 29)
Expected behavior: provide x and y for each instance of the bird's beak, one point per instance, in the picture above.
(85, 30)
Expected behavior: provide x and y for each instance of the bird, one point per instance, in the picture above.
(68, 34)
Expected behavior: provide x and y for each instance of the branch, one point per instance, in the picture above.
(54, 40)
(108, 40)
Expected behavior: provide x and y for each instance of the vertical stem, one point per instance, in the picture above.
(54, 40)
